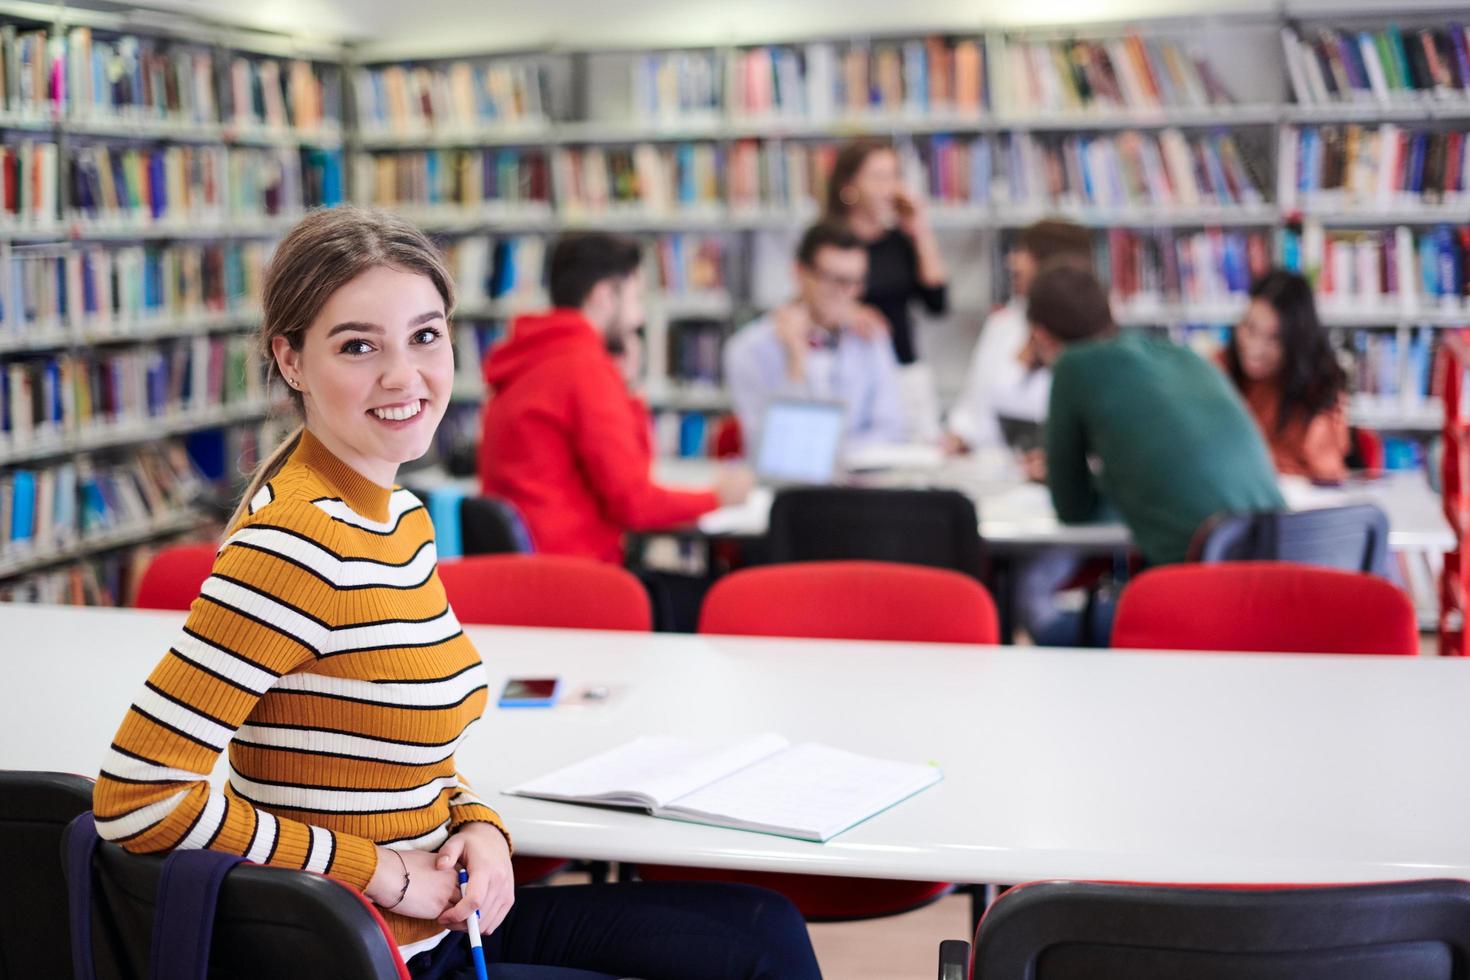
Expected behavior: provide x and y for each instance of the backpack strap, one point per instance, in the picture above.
(81, 845)
(183, 916)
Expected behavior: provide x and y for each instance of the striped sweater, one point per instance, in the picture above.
(323, 653)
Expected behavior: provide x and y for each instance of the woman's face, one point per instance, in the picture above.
(375, 370)
(876, 185)
(1258, 341)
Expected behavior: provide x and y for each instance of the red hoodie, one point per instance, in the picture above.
(565, 442)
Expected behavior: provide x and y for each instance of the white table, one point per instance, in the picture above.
(1015, 515)
(1174, 767)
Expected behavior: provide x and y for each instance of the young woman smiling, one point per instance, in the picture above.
(323, 656)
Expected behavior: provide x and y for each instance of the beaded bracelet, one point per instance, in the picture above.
(406, 878)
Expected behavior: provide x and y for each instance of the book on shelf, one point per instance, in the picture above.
(1163, 170)
(1150, 271)
(28, 193)
(273, 95)
(686, 433)
(44, 398)
(497, 268)
(50, 290)
(694, 352)
(1034, 77)
(688, 263)
(31, 73)
(790, 177)
(454, 97)
(1388, 65)
(132, 78)
(1393, 270)
(1333, 168)
(45, 510)
(762, 783)
(820, 81)
(1391, 371)
(644, 178)
(455, 179)
(472, 341)
(672, 86)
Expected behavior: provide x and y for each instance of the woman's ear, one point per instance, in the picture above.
(288, 361)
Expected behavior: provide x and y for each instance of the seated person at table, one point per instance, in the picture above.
(818, 346)
(1282, 363)
(563, 438)
(1005, 377)
(1173, 442)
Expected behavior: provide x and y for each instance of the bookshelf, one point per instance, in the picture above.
(149, 164)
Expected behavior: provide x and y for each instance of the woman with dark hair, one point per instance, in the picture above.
(866, 194)
(1283, 364)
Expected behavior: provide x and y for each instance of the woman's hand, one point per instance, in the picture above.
(913, 214)
(484, 853)
(431, 889)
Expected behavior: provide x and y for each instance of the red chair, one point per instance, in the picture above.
(545, 590)
(1265, 607)
(174, 577)
(550, 591)
(848, 600)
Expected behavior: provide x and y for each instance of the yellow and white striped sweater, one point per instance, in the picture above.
(323, 652)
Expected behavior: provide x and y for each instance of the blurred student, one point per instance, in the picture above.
(865, 193)
(810, 347)
(564, 439)
(1006, 378)
(1173, 441)
(1283, 365)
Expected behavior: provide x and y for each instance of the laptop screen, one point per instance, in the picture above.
(800, 442)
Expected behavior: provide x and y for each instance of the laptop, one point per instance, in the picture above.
(800, 442)
(1022, 435)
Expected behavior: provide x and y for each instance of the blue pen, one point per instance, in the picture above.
(477, 951)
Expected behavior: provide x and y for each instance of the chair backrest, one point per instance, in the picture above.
(545, 590)
(1268, 607)
(1352, 538)
(174, 577)
(1416, 930)
(938, 528)
(490, 526)
(269, 922)
(851, 600)
(35, 808)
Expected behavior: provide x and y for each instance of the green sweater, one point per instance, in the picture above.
(1173, 440)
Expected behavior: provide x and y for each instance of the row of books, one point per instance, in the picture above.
(46, 510)
(772, 173)
(1385, 65)
(1327, 167)
(460, 96)
(198, 185)
(645, 177)
(688, 263)
(694, 351)
(124, 289)
(1164, 169)
(104, 580)
(1146, 270)
(472, 341)
(28, 183)
(504, 268)
(61, 395)
(684, 434)
(462, 178)
(1393, 268)
(139, 78)
(1131, 72)
(25, 72)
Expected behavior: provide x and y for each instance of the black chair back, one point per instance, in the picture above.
(35, 808)
(1087, 931)
(1352, 538)
(491, 527)
(921, 527)
(270, 922)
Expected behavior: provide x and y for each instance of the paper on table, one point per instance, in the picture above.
(810, 791)
(750, 517)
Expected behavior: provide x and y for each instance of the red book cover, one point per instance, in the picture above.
(1454, 160)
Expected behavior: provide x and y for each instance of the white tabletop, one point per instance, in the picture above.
(1177, 767)
(1015, 514)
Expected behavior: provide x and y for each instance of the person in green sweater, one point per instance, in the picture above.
(1140, 422)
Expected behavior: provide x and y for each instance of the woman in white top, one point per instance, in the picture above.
(1005, 377)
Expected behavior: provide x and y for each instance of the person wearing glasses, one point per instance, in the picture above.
(817, 347)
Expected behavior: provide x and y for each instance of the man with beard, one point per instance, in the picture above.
(563, 437)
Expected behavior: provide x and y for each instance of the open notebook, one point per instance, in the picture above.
(811, 792)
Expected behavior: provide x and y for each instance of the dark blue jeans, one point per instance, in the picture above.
(647, 930)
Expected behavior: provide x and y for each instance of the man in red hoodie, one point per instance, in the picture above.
(563, 439)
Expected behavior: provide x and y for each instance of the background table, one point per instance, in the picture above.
(1176, 767)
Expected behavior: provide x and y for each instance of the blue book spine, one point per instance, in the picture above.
(1306, 169)
(981, 167)
(691, 435)
(1428, 266)
(688, 191)
(52, 391)
(1448, 262)
(1414, 176)
(431, 162)
(23, 506)
(443, 507)
(158, 184)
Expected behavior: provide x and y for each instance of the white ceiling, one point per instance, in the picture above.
(392, 27)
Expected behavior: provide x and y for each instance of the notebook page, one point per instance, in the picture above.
(651, 770)
(809, 791)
